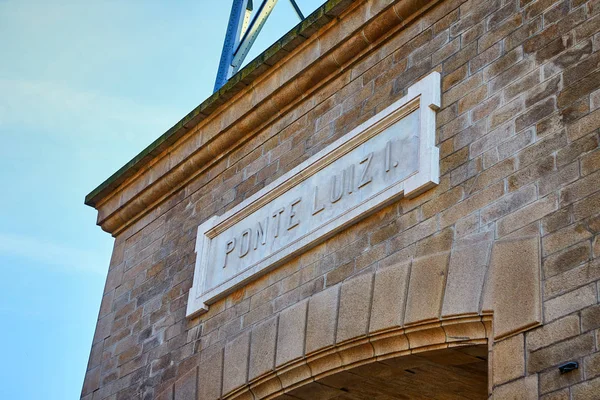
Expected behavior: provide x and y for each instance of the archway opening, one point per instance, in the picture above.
(457, 373)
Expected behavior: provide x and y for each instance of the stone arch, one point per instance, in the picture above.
(446, 293)
(420, 338)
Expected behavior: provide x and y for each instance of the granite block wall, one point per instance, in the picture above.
(518, 134)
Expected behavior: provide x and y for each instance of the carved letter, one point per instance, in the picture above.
(245, 244)
(350, 171)
(229, 246)
(336, 191)
(261, 234)
(388, 155)
(316, 209)
(276, 215)
(291, 222)
(365, 177)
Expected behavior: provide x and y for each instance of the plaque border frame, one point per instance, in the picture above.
(424, 96)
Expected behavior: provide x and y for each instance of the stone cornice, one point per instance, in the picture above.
(316, 51)
(239, 81)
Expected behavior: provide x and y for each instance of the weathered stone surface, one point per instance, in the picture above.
(574, 150)
(551, 379)
(486, 57)
(535, 114)
(235, 363)
(521, 86)
(493, 173)
(459, 332)
(580, 189)
(533, 172)
(503, 29)
(578, 89)
(556, 220)
(560, 352)
(92, 381)
(555, 180)
(475, 98)
(471, 204)
(292, 376)
(426, 286)
(266, 387)
(591, 365)
(420, 338)
(393, 344)
(164, 395)
(503, 63)
(590, 162)
(210, 378)
(339, 273)
(508, 204)
(586, 390)
(542, 91)
(262, 348)
(462, 88)
(322, 317)
(587, 207)
(515, 71)
(291, 331)
(516, 302)
(590, 318)
(564, 238)
(508, 359)
(569, 302)
(558, 395)
(584, 125)
(515, 144)
(527, 215)
(185, 387)
(572, 279)
(389, 294)
(522, 389)
(553, 332)
(466, 273)
(355, 305)
(508, 111)
(438, 243)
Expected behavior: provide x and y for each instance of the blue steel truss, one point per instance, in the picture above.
(241, 34)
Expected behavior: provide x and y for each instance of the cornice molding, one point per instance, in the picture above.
(215, 131)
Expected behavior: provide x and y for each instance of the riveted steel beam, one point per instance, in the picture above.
(242, 31)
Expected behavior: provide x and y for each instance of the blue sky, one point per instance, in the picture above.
(84, 87)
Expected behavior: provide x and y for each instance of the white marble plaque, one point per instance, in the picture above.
(391, 155)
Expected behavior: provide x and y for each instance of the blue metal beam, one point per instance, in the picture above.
(297, 9)
(263, 12)
(241, 34)
(240, 11)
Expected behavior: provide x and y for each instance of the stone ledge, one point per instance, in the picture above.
(175, 160)
(306, 28)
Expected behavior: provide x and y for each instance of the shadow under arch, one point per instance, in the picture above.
(458, 373)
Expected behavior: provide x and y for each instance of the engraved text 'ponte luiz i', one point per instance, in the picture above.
(393, 154)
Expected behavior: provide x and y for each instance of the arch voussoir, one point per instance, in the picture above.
(465, 331)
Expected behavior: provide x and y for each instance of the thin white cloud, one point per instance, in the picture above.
(42, 253)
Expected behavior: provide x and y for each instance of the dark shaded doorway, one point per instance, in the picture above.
(458, 373)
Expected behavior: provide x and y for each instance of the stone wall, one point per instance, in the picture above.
(519, 193)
